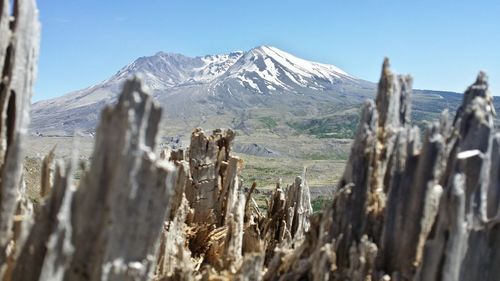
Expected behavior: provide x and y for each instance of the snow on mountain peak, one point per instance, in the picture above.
(266, 69)
(182, 83)
(275, 67)
(302, 65)
(214, 66)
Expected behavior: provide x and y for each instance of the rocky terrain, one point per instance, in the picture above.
(264, 90)
(280, 106)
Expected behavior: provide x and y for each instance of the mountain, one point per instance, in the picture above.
(264, 88)
(268, 70)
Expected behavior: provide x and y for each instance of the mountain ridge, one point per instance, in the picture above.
(194, 60)
(214, 90)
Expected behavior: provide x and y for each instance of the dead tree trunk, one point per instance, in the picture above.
(208, 161)
(407, 211)
(48, 250)
(122, 199)
(108, 228)
(465, 242)
(404, 210)
(19, 43)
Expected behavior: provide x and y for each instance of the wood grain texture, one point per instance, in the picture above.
(409, 206)
(19, 45)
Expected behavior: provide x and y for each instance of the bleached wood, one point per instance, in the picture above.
(19, 45)
(48, 250)
(403, 210)
(123, 198)
(47, 173)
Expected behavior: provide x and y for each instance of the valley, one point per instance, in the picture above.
(289, 114)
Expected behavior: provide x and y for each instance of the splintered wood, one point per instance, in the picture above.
(107, 228)
(406, 208)
(19, 44)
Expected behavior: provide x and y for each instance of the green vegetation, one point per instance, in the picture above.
(268, 122)
(261, 201)
(319, 203)
(327, 155)
(335, 126)
(267, 171)
(422, 120)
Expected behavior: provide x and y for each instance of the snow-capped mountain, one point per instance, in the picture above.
(267, 69)
(212, 90)
(166, 70)
(263, 69)
(182, 83)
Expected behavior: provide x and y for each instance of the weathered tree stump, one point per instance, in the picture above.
(405, 209)
(19, 45)
(109, 227)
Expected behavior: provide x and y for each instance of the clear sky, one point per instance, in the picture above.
(441, 43)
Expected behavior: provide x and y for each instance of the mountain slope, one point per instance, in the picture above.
(233, 90)
(191, 89)
(269, 70)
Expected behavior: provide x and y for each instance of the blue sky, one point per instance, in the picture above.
(441, 43)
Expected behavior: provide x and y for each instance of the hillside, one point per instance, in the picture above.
(264, 90)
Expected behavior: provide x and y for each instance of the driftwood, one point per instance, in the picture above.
(409, 206)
